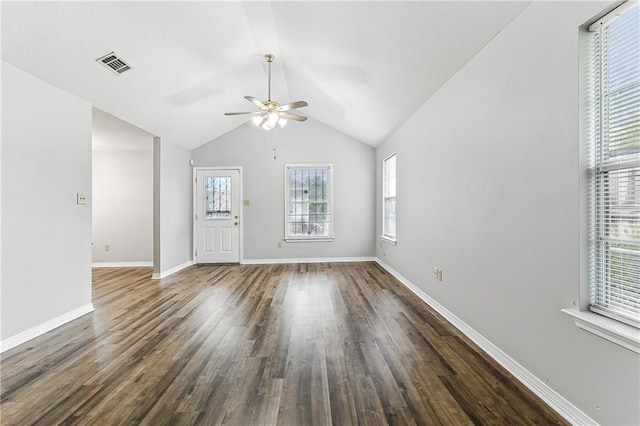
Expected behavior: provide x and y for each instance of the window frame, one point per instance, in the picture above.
(601, 177)
(613, 330)
(329, 213)
(385, 236)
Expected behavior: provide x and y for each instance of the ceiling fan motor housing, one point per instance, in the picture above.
(271, 106)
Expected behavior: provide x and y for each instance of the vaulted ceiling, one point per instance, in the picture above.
(364, 67)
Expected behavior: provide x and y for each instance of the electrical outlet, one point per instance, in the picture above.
(81, 199)
(437, 274)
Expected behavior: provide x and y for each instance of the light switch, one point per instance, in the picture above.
(246, 203)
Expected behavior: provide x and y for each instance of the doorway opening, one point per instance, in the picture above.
(122, 193)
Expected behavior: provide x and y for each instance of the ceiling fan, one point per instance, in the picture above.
(271, 112)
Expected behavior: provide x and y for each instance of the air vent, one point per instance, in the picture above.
(114, 63)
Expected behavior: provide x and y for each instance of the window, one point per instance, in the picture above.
(615, 165)
(309, 198)
(389, 198)
(217, 197)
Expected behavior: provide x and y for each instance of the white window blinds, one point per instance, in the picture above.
(389, 197)
(615, 289)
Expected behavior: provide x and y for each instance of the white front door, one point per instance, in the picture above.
(217, 216)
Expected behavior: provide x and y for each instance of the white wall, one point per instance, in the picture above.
(172, 192)
(123, 206)
(308, 142)
(46, 236)
(488, 191)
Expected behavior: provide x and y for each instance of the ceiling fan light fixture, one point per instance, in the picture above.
(271, 112)
(269, 121)
(272, 117)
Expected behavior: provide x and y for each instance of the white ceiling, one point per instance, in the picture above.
(364, 67)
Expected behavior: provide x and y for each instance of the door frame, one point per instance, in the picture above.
(194, 209)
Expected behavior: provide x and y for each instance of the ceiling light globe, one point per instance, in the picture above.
(273, 117)
(268, 125)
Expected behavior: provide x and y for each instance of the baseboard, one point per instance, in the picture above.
(46, 326)
(566, 409)
(120, 264)
(307, 260)
(164, 274)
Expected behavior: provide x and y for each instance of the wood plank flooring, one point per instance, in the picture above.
(303, 344)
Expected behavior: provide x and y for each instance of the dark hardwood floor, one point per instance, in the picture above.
(304, 344)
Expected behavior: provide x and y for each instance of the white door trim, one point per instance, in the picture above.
(194, 240)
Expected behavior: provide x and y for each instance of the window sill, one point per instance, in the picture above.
(619, 333)
(309, 240)
(389, 240)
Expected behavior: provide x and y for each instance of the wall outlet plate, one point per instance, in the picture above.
(437, 274)
(81, 199)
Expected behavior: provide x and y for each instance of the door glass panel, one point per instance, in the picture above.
(217, 197)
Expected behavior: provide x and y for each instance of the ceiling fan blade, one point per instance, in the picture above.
(255, 102)
(290, 116)
(293, 105)
(243, 113)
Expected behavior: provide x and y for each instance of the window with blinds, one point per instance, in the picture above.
(309, 197)
(615, 287)
(389, 197)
